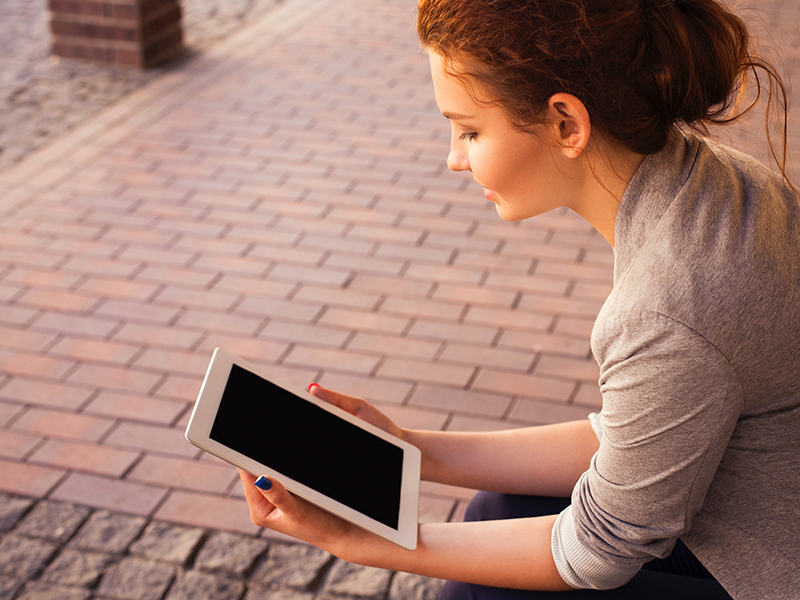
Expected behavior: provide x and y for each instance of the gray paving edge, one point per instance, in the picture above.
(63, 551)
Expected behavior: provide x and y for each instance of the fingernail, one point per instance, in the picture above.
(263, 483)
(310, 385)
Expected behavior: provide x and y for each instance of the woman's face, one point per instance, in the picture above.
(520, 172)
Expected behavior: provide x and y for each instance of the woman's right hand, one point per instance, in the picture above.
(359, 408)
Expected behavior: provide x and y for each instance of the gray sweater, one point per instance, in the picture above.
(699, 353)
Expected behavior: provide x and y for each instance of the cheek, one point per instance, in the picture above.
(522, 169)
(507, 177)
(488, 168)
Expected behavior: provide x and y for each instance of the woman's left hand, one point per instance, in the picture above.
(504, 553)
(279, 510)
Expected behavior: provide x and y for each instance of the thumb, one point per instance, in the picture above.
(276, 494)
(357, 407)
(348, 403)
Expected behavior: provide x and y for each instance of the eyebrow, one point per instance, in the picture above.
(456, 116)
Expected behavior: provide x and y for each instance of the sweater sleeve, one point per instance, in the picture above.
(670, 404)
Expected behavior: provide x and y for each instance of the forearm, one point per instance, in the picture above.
(513, 553)
(545, 460)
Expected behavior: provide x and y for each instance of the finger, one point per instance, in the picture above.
(245, 476)
(260, 507)
(349, 403)
(357, 407)
(278, 496)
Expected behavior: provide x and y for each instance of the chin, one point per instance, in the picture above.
(508, 215)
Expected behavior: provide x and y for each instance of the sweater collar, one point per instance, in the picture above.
(652, 189)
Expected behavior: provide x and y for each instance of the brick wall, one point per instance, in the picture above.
(134, 33)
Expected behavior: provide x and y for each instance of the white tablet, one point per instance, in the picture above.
(250, 417)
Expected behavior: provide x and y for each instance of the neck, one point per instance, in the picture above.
(606, 177)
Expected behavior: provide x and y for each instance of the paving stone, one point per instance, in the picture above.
(136, 579)
(278, 594)
(55, 521)
(74, 568)
(148, 160)
(354, 580)
(192, 585)
(164, 541)
(40, 590)
(207, 21)
(41, 98)
(23, 557)
(293, 565)
(407, 586)
(9, 587)
(230, 552)
(11, 510)
(106, 531)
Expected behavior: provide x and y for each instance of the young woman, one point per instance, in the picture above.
(587, 104)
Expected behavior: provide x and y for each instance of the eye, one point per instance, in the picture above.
(468, 137)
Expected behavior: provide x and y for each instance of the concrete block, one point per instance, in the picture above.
(136, 579)
(295, 565)
(55, 521)
(407, 586)
(193, 585)
(11, 510)
(354, 580)
(74, 568)
(23, 557)
(110, 532)
(164, 541)
(230, 552)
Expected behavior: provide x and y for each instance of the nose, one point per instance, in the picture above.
(457, 160)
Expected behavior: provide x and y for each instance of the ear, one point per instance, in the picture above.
(571, 123)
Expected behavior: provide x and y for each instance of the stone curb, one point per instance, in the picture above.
(64, 551)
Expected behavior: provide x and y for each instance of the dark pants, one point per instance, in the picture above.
(679, 576)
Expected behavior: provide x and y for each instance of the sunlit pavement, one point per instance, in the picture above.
(284, 196)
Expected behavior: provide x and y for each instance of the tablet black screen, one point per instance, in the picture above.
(297, 438)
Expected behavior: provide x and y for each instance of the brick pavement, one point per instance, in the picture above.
(295, 211)
(283, 196)
(43, 97)
(114, 556)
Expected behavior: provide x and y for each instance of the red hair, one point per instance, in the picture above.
(639, 66)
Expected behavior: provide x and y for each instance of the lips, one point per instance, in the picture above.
(487, 193)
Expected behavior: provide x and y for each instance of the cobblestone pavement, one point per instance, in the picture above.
(61, 551)
(42, 97)
(283, 195)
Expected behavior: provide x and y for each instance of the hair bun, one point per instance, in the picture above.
(691, 56)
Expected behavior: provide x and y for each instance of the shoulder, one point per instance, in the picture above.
(726, 241)
(722, 172)
(645, 339)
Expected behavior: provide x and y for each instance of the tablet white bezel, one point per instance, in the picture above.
(205, 411)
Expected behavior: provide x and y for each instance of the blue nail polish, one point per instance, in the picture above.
(263, 483)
